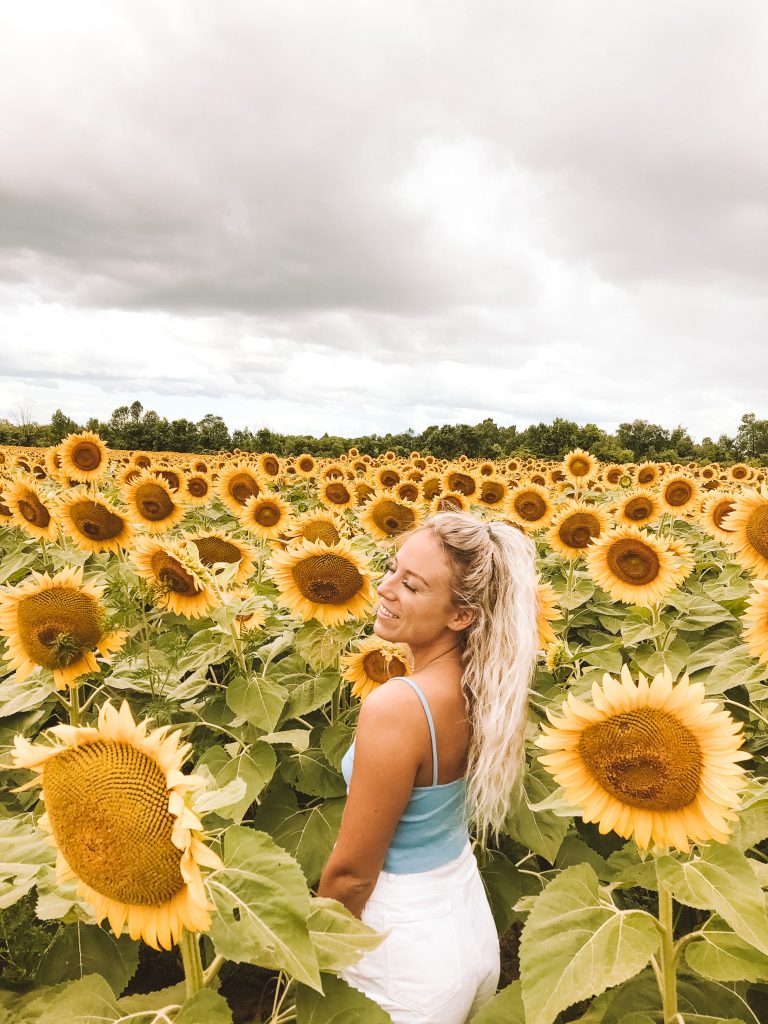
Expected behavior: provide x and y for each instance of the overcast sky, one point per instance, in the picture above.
(373, 214)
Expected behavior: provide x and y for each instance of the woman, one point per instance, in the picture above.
(436, 754)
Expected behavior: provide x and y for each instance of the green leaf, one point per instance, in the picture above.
(722, 956)
(204, 1006)
(540, 831)
(639, 625)
(338, 936)
(721, 879)
(336, 740)
(308, 834)
(140, 1001)
(254, 766)
(88, 1001)
(263, 905)
(309, 772)
(503, 888)
(15, 698)
(82, 949)
(675, 658)
(259, 700)
(506, 1007)
(312, 692)
(576, 943)
(297, 738)
(23, 854)
(337, 1003)
(697, 611)
(752, 823)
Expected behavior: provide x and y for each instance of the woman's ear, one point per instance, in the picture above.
(462, 618)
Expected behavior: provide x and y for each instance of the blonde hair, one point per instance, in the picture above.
(494, 573)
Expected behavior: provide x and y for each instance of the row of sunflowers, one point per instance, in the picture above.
(185, 644)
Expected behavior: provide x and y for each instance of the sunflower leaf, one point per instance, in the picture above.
(576, 943)
(722, 880)
(722, 956)
(260, 700)
(263, 907)
(337, 1001)
(204, 1006)
(506, 1007)
(338, 936)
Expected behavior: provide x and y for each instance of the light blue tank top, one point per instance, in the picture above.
(433, 828)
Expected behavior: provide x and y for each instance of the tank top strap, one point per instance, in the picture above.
(424, 704)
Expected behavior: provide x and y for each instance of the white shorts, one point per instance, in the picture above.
(440, 963)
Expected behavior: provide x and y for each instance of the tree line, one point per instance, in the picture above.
(133, 427)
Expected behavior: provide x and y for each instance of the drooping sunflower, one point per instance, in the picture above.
(386, 516)
(197, 489)
(372, 663)
(265, 515)
(639, 509)
(634, 567)
(214, 546)
(83, 456)
(31, 510)
(655, 761)
(315, 525)
(755, 621)
(747, 526)
(327, 583)
(549, 612)
(176, 575)
(337, 493)
(56, 622)
(237, 483)
(575, 527)
(531, 505)
(578, 466)
(151, 504)
(679, 494)
(117, 812)
(93, 524)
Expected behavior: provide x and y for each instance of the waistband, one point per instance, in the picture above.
(435, 880)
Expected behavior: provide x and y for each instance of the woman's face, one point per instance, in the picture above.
(415, 601)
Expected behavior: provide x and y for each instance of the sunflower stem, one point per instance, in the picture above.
(668, 953)
(211, 973)
(74, 706)
(193, 965)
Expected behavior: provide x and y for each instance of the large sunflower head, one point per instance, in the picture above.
(216, 546)
(316, 525)
(747, 527)
(578, 466)
(651, 760)
(118, 814)
(83, 456)
(372, 663)
(151, 504)
(265, 515)
(237, 483)
(57, 623)
(327, 583)
(530, 505)
(575, 526)
(31, 510)
(177, 577)
(386, 516)
(756, 621)
(93, 524)
(679, 493)
(634, 567)
(639, 509)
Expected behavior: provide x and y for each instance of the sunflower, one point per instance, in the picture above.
(269, 465)
(56, 622)
(451, 501)
(179, 580)
(53, 461)
(305, 466)
(316, 525)
(171, 477)
(372, 663)
(638, 509)
(549, 612)
(236, 484)
(493, 492)
(117, 812)
(151, 504)
(252, 611)
(215, 546)
(83, 456)
(461, 480)
(647, 474)
(575, 526)
(634, 567)
(612, 473)
(747, 525)
(756, 621)
(385, 516)
(530, 505)
(196, 489)
(655, 761)
(327, 583)
(30, 511)
(679, 493)
(94, 525)
(363, 491)
(6, 513)
(713, 511)
(578, 466)
(265, 515)
(408, 490)
(337, 493)
(740, 472)
(386, 477)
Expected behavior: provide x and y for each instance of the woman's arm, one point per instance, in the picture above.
(387, 754)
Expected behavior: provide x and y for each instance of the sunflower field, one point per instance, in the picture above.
(185, 641)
